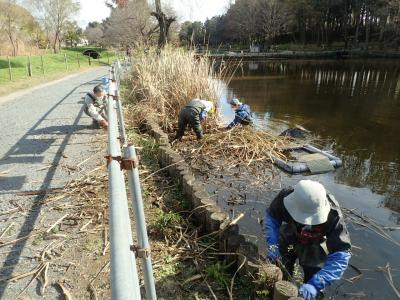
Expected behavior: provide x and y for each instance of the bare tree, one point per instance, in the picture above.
(17, 25)
(53, 15)
(8, 22)
(130, 24)
(274, 18)
(164, 23)
(242, 20)
(94, 35)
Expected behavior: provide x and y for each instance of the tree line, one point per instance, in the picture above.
(325, 23)
(38, 24)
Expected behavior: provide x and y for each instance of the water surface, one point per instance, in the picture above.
(354, 108)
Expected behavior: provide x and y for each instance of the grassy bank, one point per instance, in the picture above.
(54, 66)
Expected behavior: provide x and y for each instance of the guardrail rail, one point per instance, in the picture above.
(121, 160)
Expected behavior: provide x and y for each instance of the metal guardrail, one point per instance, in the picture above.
(124, 275)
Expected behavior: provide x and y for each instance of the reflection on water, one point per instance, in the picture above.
(353, 105)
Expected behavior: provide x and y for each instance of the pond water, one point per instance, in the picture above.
(353, 106)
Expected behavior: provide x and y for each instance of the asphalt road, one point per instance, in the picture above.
(45, 141)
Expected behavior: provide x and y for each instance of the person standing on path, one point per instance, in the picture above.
(192, 114)
(306, 223)
(95, 106)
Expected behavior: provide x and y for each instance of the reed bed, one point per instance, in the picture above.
(163, 83)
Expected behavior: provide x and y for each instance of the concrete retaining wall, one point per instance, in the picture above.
(210, 217)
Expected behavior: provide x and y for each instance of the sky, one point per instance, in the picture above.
(192, 10)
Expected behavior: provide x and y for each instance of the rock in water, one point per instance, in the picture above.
(295, 133)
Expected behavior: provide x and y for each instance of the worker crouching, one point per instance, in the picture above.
(95, 106)
(243, 114)
(192, 114)
(306, 223)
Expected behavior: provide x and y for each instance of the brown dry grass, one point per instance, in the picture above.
(163, 83)
(241, 144)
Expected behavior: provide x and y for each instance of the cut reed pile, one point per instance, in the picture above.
(239, 145)
(162, 84)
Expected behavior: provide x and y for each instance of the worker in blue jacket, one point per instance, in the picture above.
(243, 114)
(306, 222)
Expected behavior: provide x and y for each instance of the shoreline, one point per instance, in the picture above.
(289, 54)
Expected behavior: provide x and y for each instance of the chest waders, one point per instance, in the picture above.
(190, 115)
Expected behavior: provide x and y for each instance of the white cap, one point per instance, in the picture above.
(208, 104)
(308, 203)
(235, 101)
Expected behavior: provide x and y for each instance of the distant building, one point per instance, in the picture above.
(254, 49)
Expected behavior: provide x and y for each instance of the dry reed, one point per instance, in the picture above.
(239, 145)
(164, 83)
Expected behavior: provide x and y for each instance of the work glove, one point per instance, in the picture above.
(103, 124)
(273, 253)
(308, 291)
(203, 115)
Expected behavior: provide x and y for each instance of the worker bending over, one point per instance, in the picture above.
(95, 106)
(243, 114)
(192, 114)
(307, 223)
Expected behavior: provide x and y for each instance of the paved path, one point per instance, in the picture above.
(44, 137)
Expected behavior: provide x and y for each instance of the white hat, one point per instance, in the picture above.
(308, 203)
(235, 101)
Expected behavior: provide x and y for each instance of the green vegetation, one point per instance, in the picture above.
(218, 272)
(168, 219)
(54, 65)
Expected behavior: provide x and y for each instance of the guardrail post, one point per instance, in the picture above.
(143, 250)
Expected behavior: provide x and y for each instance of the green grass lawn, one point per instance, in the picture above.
(54, 66)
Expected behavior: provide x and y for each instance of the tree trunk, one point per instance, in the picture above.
(345, 24)
(382, 33)
(303, 32)
(55, 43)
(367, 28)
(10, 36)
(14, 53)
(162, 39)
(163, 23)
(358, 22)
